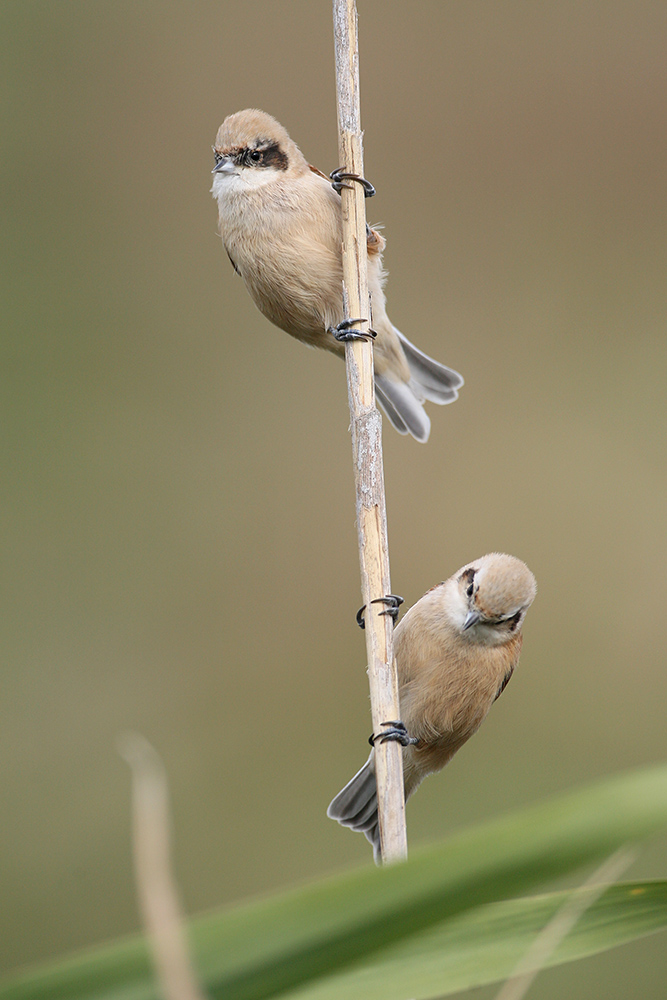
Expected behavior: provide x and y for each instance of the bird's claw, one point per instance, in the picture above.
(394, 602)
(344, 332)
(341, 174)
(397, 733)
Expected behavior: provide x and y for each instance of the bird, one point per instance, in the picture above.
(456, 650)
(281, 225)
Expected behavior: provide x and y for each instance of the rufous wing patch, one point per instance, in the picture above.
(375, 242)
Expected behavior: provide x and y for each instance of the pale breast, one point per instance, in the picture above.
(287, 250)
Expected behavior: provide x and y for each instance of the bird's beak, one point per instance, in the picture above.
(225, 166)
(471, 619)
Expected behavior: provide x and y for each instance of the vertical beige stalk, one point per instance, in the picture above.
(367, 442)
(156, 886)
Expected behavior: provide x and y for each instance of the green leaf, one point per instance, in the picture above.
(484, 945)
(283, 942)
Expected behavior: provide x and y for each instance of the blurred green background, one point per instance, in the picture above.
(178, 512)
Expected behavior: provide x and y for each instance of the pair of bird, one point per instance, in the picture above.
(456, 648)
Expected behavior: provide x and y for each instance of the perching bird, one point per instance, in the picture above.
(455, 649)
(280, 222)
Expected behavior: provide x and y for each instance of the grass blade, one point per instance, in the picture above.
(269, 946)
(483, 945)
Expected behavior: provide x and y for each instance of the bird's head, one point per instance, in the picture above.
(494, 594)
(251, 150)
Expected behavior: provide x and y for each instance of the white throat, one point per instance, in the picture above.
(481, 633)
(239, 179)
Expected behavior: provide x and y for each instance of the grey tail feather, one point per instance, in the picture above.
(356, 805)
(402, 402)
(392, 413)
(437, 383)
(429, 380)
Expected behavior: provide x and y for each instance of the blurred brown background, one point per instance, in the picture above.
(178, 514)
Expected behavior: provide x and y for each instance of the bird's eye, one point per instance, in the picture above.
(470, 589)
(255, 155)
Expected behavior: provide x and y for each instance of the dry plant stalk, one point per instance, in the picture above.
(367, 442)
(156, 887)
(562, 922)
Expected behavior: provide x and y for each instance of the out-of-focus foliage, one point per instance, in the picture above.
(424, 928)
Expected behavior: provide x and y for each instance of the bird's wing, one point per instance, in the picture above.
(505, 682)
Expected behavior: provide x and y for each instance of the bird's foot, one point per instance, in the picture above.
(394, 602)
(396, 733)
(341, 174)
(344, 333)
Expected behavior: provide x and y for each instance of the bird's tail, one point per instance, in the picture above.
(429, 380)
(356, 805)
